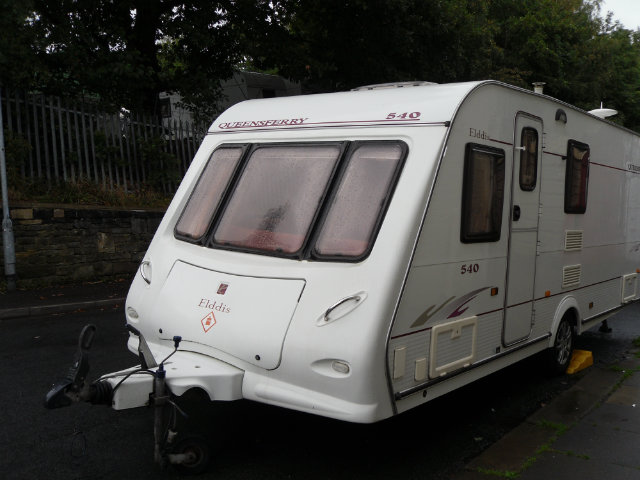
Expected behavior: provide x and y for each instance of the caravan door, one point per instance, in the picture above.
(523, 229)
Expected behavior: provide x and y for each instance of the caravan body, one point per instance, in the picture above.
(356, 254)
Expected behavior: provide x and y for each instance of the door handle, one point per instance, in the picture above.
(516, 213)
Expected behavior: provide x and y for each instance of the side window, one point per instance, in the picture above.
(576, 177)
(482, 194)
(528, 159)
(205, 199)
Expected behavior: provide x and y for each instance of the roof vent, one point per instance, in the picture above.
(538, 87)
(380, 86)
(603, 112)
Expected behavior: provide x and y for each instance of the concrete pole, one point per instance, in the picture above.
(7, 226)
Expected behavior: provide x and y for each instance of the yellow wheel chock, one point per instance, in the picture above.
(580, 360)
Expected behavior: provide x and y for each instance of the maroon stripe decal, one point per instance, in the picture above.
(515, 305)
(576, 289)
(627, 170)
(263, 124)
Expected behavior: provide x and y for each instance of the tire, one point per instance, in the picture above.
(198, 448)
(560, 354)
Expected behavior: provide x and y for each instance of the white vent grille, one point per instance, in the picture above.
(571, 275)
(572, 240)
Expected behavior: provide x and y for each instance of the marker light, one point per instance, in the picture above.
(131, 313)
(340, 366)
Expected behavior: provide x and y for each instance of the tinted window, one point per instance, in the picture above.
(277, 198)
(483, 194)
(205, 199)
(359, 201)
(576, 177)
(528, 159)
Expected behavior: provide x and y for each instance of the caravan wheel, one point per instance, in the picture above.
(560, 353)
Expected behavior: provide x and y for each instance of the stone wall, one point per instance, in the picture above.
(73, 244)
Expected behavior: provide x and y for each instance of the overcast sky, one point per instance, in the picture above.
(626, 11)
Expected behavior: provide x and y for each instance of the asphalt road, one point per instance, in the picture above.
(250, 440)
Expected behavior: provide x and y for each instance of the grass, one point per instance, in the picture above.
(558, 429)
(498, 473)
(570, 453)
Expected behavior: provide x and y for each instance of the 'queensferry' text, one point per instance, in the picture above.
(263, 123)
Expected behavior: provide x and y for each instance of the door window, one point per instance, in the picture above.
(528, 159)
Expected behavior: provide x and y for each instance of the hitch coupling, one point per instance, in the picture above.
(72, 387)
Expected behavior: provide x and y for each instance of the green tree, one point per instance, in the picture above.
(203, 44)
(612, 74)
(340, 44)
(123, 53)
(583, 58)
(542, 40)
(18, 60)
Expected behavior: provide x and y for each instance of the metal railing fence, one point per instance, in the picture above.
(67, 141)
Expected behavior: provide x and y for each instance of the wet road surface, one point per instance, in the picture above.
(250, 440)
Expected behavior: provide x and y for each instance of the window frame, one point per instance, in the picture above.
(581, 206)
(353, 147)
(165, 107)
(302, 253)
(228, 187)
(524, 186)
(307, 250)
(467, 208)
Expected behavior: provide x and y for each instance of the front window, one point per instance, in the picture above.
(277, 197)
(322, 201)
(206, 197)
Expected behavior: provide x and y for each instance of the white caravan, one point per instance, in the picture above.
(357, 254)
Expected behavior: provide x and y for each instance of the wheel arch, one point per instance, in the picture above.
(567, 307)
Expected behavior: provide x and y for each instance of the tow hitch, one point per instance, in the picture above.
(72, 387)
(189, 454)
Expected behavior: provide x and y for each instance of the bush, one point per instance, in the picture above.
(162, 167)
(87, 193)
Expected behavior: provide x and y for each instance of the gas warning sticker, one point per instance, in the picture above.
(208, 322)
